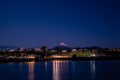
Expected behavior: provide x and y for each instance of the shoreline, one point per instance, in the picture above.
(21, 60)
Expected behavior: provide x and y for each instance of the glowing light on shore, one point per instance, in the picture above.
(30, 57)
(59, 56)
(93, 55)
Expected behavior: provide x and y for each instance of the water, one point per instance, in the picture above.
(61, 70)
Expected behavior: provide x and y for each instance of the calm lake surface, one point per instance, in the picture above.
(61, 70)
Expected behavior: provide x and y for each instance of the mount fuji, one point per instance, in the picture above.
(62, 46)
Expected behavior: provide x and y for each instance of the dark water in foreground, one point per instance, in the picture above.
(61, 70)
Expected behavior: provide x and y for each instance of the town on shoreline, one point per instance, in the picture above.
(62, 52)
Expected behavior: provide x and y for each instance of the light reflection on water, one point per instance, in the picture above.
(31, 70)
(57, 67)
(93, 69)
(61, 70)
(93, 66)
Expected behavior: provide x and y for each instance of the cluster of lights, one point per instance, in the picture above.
(31, 57)
(58, 56)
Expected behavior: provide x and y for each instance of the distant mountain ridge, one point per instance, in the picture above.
(6, 47)
(93, 47)
(63, 46)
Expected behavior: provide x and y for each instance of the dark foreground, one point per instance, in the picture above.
(61, 70)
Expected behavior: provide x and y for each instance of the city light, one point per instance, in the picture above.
(59, 56)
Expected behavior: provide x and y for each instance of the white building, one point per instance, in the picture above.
(64, 51)
(38, 50)
(74, 50)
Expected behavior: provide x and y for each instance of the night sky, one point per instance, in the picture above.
(78, 23)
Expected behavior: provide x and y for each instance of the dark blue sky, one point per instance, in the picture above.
(35, 23)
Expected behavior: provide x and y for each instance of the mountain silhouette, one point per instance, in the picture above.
(62, 46)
